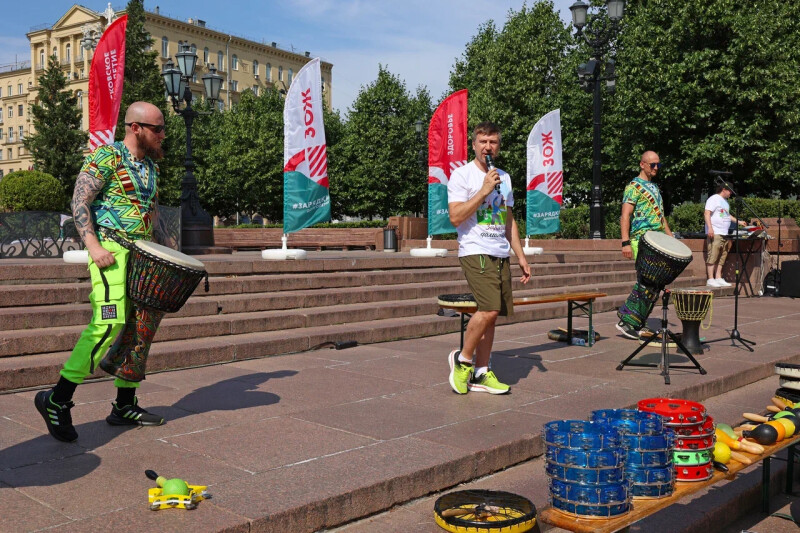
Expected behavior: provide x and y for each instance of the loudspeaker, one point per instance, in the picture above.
(790, 279)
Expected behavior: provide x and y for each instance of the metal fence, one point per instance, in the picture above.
(46, 234)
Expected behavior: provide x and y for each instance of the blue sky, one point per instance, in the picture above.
(418, 40)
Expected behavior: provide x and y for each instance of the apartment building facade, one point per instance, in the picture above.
(244, 64)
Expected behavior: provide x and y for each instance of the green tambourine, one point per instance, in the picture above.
(691, 457)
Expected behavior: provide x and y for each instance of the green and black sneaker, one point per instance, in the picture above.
(56, 416)
(132, 415)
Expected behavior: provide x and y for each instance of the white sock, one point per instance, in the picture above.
(481, 371)
(462, 359)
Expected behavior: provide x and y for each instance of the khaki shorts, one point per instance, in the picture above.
(718, 250)
(489, 279)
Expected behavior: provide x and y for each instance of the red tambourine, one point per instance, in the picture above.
(694, 473)
(679, 413)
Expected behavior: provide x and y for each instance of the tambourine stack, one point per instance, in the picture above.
(790, 381)
(694, 436)
(585, 462)
(649, 450)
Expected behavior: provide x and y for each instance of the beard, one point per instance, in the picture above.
(155, 152)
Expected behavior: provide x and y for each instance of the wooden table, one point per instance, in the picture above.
(642, 508)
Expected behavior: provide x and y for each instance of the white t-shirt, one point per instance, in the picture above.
(720, 214)
(484, 232)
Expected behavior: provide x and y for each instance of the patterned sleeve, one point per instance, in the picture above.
(101, 163)
(630, 195)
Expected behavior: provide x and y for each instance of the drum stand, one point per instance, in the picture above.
(664, 332)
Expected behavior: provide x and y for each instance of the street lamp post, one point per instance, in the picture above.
(197, 231)
(423, 165)
(597, 34)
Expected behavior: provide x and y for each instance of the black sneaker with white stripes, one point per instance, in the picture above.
(132, 415)
(56, 416)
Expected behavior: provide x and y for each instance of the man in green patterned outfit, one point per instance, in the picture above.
(642, 211)
(115, 192)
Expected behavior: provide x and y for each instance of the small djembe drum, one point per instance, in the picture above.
(692, 307)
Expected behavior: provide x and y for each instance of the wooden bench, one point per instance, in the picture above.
(310, 238)
(582, 301)
(642, 508)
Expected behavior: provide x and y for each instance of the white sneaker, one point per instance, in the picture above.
(722, 283)
(713, 283)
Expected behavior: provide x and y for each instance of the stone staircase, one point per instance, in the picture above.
(256, 308)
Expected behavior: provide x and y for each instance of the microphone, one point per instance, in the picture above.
(490, 166)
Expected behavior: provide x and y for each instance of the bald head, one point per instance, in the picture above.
(143, 112)
(649, 156)
(649, 165)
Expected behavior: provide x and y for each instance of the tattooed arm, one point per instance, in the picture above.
(86, 189)
(160, 235)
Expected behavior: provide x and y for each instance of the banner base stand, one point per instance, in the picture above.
(428, 252)
(532, 250)
(283, 253)
(80, 257)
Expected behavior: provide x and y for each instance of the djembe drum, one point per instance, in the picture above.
(661, 259)
(692, 307)
(159, 281)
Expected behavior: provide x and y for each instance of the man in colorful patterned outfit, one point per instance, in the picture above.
(642, 211)
(116, 191)
(479, 202)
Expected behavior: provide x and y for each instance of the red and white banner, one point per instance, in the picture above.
(447, 150)
(106, 77)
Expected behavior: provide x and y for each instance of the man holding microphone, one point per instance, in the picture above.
(480, 201)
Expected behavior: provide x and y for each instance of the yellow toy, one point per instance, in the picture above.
(174, 493)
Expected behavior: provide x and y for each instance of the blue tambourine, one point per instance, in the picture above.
(580, 510)
(653, 490)
(589, 493)
(585, 475)
(630, 420)
(649, 458)
(661, 441)
(585, 458)
(650, 476)
(581, 434)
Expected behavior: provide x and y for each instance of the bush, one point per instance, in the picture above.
(31, 190)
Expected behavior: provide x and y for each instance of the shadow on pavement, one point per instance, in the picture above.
(228, 395)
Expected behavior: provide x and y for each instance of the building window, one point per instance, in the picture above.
(80, 53)
(21, 133)
(194, 77)
(255, 90)
(41, 59)
(164, 47)
(220, 60)
(9, 91)
(1, 158)
(205, 55)
(1, 134)
(255, 67)
(280, 73)
(1, 94)
(235, 62)
(11, 155)
(268, 72)
(55, 51)
(20, 109)
(19, 88)
(10, 135)
(10, 111)
(291, 75)
(194, 49)
(235, 85)
(322, 80)
(68, 54)
(83, 73)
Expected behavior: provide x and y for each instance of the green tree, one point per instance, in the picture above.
(709, 85)
(240, 157)
(517, 74)
(383, 176)
(143, 81)
(57, 140)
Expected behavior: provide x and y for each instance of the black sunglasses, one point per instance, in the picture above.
(654, 165)
(157, 128)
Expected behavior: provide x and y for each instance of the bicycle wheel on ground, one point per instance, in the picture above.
(484, 511)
